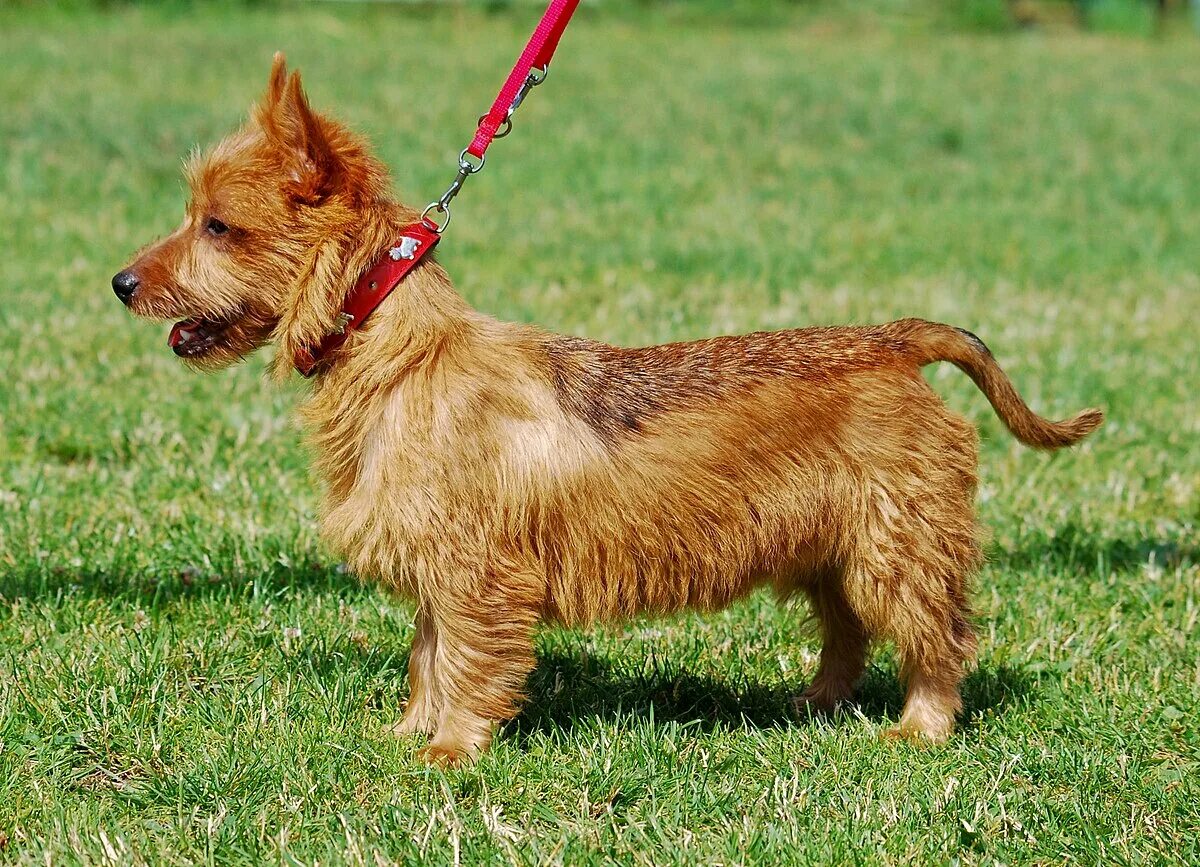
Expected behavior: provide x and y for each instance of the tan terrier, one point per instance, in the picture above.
(501, 475)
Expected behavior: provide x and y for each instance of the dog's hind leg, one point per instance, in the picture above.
(844, 645)
(908, 583)
(421, 713)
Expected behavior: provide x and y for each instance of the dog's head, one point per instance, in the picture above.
(256, 256)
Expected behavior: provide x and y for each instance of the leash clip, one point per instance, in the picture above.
(531, 81)
(466, 168)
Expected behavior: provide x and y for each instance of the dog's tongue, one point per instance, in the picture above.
(180, 331)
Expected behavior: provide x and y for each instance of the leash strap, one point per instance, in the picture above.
(530, 71)
(537, 55)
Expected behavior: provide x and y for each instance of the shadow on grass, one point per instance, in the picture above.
(51, 582)
(567, 688)
(569, 685)
(1075, 548)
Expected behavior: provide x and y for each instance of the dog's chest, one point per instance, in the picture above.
(437, 481)
(385, 499)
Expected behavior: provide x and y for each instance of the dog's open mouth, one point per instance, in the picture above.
(191, 338)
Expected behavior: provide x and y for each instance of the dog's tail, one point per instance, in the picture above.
(932, 341)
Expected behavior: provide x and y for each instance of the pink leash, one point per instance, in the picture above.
(530, 71)
(537, 55)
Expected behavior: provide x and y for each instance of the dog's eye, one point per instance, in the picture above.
(215, 227)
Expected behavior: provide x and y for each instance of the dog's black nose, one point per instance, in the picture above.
(125, 283)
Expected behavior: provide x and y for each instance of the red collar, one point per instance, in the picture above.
(377, 283)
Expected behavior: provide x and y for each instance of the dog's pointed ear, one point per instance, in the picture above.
(276, 82)
(266, 111)
(290, 124)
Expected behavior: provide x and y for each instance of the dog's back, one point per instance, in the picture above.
(725, 463)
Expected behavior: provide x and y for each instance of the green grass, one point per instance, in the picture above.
(186, 675)
(1132, 17)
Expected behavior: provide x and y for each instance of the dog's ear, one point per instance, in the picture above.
(276, 82)
(291, 125)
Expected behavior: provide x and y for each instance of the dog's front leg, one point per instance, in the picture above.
(484, 653)
(421, 713)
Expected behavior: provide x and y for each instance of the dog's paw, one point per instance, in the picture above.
(443, 756)
(820, 699)
(918, 736)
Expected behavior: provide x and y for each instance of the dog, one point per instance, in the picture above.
(502, 476)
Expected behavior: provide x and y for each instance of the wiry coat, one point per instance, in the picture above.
(503, 476)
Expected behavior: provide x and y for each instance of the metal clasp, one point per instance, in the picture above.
(466, 165)
(531, 81)
(466, 168)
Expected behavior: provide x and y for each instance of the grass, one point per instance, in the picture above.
(1133, 17)
(186, 676)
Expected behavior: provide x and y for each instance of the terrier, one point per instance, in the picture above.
(502, 476)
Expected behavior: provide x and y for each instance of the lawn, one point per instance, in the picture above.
(187, 676)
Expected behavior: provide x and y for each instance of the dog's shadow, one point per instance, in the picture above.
(569, 688)
(571, 685)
